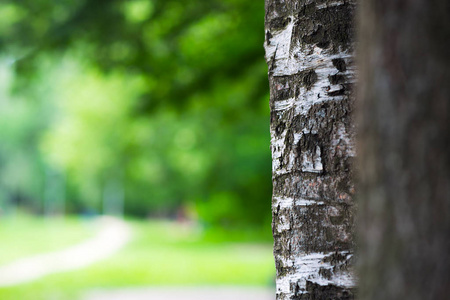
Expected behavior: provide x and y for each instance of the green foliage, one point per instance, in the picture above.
(166, 98)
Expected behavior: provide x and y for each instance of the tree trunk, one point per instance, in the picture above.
(404, 148)
(309, 51)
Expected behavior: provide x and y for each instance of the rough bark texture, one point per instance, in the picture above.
(309, 51)
(404, 147)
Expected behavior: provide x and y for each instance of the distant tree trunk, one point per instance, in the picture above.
(404, 148)
(54, 193)
(309, 51)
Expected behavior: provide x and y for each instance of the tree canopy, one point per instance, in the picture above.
(165, 100)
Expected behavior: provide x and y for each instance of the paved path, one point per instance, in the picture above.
(113, 235)
(184, 293)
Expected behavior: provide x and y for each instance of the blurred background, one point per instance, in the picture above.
(152, 111)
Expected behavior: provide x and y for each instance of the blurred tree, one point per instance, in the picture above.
(404, 150)
(21, 125)
(170, 94)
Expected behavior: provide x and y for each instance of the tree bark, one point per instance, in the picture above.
(404, 149)
(309, 51)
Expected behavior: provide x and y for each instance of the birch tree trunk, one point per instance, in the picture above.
(405, 149)
(309, 51)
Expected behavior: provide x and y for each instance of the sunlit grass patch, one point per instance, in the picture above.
(23, 235)
(161, 253)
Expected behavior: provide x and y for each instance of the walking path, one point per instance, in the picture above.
(185, 293)
(113, 235)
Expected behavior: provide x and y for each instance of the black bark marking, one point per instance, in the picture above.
(340, 65)
(336, 79)
(326, 27)
(279, 23)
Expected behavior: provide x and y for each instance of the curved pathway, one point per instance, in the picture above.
(113, 235)
(185, 293)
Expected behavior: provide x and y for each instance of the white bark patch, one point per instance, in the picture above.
(278, 148)
(284, 104)
(312, 161)
(281, 164)
(321, 91)
(297, 137)
(330, 4)
(304, 202)
(288, 202)
(342, 143)
(283, 202)
(279, 45)
(290, 60)
(291, 161)
(283, 224)
(306, 268)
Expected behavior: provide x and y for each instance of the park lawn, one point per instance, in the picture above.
(162, 253)
(23, 235)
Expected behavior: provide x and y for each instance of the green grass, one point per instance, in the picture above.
(23, 235)
(162, 253)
